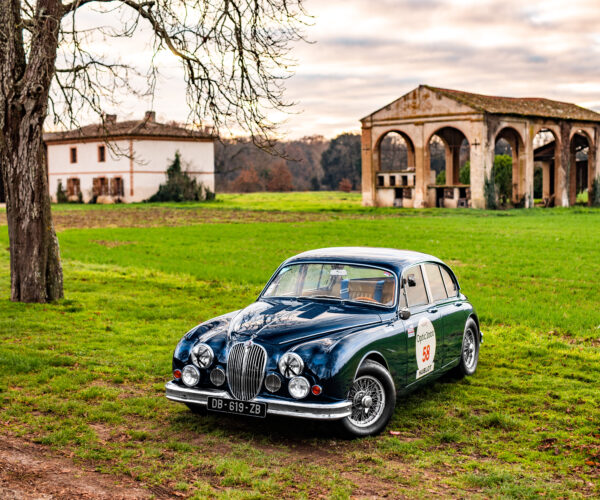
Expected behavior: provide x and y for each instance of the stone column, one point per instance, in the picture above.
(368, 175)
(545, 179)
(482, 159)
(562, 160)
(527, 166)
(421, 167)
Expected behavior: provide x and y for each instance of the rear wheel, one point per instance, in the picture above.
(470, 350)
(373, 398)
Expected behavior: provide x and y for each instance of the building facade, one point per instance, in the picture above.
(560, 139)
(125, 161)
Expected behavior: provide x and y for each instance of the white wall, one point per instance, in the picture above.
(151, 159)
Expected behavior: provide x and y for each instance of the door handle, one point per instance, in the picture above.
(458, 304)
(433, 310)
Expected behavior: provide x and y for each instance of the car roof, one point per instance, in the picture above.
(386, 257)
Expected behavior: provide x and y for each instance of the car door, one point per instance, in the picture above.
(424, 332)
(455, 314)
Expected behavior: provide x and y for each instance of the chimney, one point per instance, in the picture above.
(150, 116)
(110, 119)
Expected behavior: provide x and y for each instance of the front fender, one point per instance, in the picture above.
(334, 362)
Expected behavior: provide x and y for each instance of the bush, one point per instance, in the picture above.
(281, 178)
(503, 165)
(440, 180)
(345, 185)
(180, 186)
(61, 193)
(489, 191)
(464, 175)
(594, 196)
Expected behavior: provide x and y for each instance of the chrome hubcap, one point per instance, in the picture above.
(368, 401)
(469, 349)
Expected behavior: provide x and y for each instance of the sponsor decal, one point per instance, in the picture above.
(338, 272)
(411, 331)
(425, 347)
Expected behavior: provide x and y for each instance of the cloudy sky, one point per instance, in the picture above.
(366, 53)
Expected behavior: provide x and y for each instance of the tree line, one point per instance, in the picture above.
(311, 163)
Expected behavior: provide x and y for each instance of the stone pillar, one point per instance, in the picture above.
(572, 173)
(448, 159)
(482, 159)
(421, 167)
(545, 179)
(562, 160)
(527, 166)
(368, 174)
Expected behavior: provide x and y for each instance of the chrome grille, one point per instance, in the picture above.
(246, 369)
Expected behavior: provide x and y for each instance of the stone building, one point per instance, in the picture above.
(559, 138)
(125, 161)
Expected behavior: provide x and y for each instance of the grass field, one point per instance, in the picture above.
(85, 376)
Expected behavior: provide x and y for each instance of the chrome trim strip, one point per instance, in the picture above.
(316, 411)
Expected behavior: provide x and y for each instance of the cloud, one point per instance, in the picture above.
(367, 53)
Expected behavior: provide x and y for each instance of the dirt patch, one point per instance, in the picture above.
(31, 471)
(113, 244)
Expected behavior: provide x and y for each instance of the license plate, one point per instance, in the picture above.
(237, 407)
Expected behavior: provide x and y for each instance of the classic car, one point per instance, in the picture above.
(336, 334)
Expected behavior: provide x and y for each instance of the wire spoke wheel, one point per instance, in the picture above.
(469, 349)
(368, 401)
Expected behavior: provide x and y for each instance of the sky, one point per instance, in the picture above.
(366, 53)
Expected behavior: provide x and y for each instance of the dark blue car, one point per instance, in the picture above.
(336, 334)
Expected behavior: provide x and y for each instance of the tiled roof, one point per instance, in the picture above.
(112, 129)
(523, 106)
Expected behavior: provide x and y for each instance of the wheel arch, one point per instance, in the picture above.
(372, 356)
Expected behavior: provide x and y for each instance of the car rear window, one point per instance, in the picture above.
(436, 283)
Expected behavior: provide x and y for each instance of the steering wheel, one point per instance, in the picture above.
(368, 299)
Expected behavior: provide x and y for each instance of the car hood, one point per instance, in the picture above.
(284, 322)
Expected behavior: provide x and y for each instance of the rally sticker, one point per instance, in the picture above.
(338, 272)
(411, 331)
(425, 347)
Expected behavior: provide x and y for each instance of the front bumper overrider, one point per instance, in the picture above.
(316, 411)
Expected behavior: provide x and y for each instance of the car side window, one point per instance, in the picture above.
(436, 283)
(450, 283)
(415, 287)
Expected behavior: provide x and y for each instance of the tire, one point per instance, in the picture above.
(469, 351)
(372, 381)
(197, 409)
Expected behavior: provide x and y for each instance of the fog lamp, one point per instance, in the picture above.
(299, 387)
(272, 382)
(190, 376)
(217, 376)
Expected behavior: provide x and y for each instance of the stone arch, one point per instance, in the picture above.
(454, 140)
(514, 139)
(547, 149)
(392, 163)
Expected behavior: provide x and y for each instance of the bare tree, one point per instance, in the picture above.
(235, 56)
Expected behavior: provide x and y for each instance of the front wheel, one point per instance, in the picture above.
(470, 350)
(373, 398)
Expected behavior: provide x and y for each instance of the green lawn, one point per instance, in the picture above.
(86, 376)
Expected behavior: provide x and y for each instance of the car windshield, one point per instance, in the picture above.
(330, 281)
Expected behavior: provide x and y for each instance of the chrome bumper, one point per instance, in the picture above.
(316, 411)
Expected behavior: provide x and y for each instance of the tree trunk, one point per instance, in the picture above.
(36, 273)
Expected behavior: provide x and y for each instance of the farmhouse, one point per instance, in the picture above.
(558, 139)
(125, 161)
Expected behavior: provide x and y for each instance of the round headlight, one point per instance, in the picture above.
(272, 382)
(190, 376)
(290, 364)
(299, 387)
(202, 355)
(217, 376)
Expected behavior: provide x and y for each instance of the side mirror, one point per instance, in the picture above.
(404, 313)
(410, 279)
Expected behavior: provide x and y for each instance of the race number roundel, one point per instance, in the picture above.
(425, 347)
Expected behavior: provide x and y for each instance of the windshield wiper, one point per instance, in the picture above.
(312, 297)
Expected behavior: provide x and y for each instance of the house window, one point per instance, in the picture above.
(100, 186)
(73, 152)
(392, 180)
(101, 154)
(116, 187)
(73, 187)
